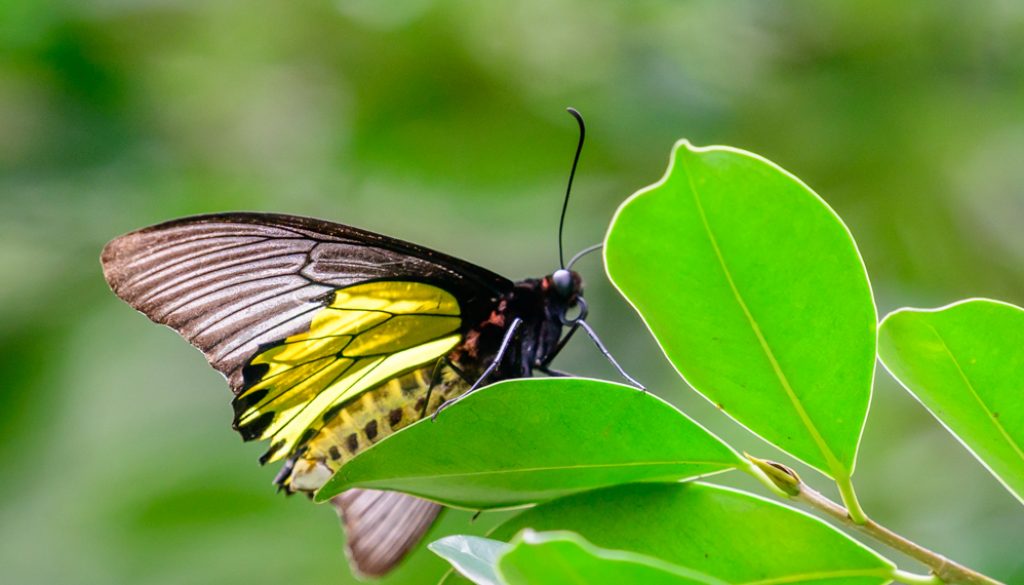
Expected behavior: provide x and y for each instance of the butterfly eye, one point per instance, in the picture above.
(562, 280)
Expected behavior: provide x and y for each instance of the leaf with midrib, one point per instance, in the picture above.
(756, 292)
(965, 363)
(727, 534)
(531, 440)
(555, 558)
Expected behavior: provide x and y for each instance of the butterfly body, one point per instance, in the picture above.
(332, 338)
(403, 399)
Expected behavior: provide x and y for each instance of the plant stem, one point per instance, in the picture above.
(914, 579)
(947, 571)
(856, 513)
(944, 571)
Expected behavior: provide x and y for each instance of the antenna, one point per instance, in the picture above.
(584, 252)
(572, 173)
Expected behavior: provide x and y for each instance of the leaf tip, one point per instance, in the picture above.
(682, 143)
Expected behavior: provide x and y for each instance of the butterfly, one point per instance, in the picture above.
(332, 338)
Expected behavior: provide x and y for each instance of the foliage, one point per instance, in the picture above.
(964, 363)
(557, 557)
(756, 292)
(758, 296)
(527, 441)
(723, 533)
(441, 122)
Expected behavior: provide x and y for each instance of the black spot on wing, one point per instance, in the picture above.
(247, 401)
(332, 412)
(270, 452)
(255, 429)
(308, 434)
(253, 373)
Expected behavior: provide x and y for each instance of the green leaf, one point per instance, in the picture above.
(965, 363)
(472, 556)
(729, 535)
(555, 558)
(757, 294)
(526, 441)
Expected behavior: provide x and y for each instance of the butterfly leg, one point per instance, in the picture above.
(543, 365)
(435, 377)
(465, 377)
(505, 344)
(604, 351)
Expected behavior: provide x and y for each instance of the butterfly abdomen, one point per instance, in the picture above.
(376, 414)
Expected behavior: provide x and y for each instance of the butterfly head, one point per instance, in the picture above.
(565, 289)
(565, 283)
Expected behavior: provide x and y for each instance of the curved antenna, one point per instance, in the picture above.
(572, 173)
(584, 252)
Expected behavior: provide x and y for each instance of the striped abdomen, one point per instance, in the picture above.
(369, 418)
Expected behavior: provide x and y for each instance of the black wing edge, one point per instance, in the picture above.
(323, 230)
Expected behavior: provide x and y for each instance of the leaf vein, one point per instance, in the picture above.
(977, 397)
(525, 470)
(833, 462)
(820, 575)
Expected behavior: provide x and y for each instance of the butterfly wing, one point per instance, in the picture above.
(229, 283)
(325, 333)
(382, 527)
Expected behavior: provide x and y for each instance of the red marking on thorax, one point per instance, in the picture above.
(497, 319)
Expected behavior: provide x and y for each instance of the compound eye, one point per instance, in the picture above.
(562, 280)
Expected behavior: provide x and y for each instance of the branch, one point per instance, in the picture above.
(947, 571)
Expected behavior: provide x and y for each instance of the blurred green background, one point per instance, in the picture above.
(443, 123)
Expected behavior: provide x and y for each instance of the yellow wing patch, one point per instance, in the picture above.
(368, 334)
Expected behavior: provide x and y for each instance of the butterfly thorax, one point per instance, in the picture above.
(542, 310)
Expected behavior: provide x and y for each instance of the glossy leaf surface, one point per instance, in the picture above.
(474, 557)
(555, 558)
(723, 533)
(757, 294)
(532, 440)
(965, 363)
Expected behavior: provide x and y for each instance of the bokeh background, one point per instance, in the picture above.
(443, 122)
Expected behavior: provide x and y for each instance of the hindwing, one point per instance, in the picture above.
(368, 334)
